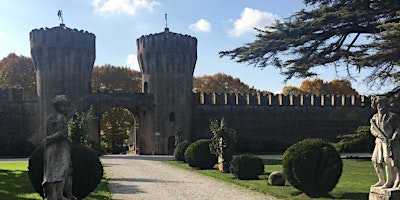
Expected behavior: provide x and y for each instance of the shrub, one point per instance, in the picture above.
(222, 143)
(78, 126)
(313, 166)
(86, 175)
(246, 167)
(359, 141)
(179, 152)
(198, 155)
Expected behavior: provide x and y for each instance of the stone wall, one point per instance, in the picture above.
(279, 119)
(260, 119)
(17, 120)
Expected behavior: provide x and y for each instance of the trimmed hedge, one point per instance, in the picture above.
(360, 141)
(179, 152)
(87, 170)
(198, 155)
(247, 167)
(313, 166)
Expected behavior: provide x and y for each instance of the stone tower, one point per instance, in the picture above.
(63, 59)
(167, 61)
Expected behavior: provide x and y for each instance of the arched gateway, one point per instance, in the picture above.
(64, 59)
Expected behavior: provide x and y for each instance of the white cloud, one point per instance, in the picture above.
(129, 7)
(132, 62)
(201, 26)
(251, 18)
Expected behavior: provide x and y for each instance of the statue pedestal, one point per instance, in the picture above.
(376, 193)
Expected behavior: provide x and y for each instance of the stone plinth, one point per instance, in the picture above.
(376, 193)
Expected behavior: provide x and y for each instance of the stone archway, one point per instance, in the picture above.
(140, 105)
(117, 130)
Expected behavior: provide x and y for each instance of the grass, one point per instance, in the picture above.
(15, 183)
(354, 183)
(357, 177)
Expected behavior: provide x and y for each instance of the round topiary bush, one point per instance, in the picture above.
(246, 167)
(86, 175)
(179, 152)
(198, 155)
(313, 166)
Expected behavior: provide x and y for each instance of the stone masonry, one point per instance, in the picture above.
(64, 59)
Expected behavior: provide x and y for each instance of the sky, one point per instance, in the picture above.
(218, 25)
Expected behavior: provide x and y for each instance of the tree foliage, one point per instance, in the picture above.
(362, 34)
(293, 90)
(220, 83)
(108, 78)
(115, 125)
(18, 72)
(224, 138)
(78, 126)
(222, 143)
(319, 87)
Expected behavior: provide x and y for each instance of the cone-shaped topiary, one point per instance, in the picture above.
(246, 167)
(86, 175)
(179, 152)
(198, 155)
(313, 166)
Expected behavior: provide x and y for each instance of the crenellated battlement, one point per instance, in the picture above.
(166, 42)
(62, 37)
(11, 95)
(260, 99)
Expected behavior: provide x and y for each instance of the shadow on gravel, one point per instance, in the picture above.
(159, 158)
(145, 180)
(127, 189)
(120, 185)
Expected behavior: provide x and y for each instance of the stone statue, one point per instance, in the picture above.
(57, 177)
(178, 135)
(385, 127)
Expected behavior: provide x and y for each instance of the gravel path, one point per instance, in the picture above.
(145, 177)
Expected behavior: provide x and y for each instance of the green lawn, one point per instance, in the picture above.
(357, 177)
(15, 184)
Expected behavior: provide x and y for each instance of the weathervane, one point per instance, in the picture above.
(60, 16)
(166, 22)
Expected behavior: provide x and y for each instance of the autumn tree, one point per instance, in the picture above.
(116, 125)
(292, 90)
(319, 87)
(108, 78)
(339, 87)
(18, 72)
(347, 34)
(220, 83)
(315, 86)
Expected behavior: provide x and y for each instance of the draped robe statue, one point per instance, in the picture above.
(57, 178)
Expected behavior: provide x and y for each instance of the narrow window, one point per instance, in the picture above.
(172, 116)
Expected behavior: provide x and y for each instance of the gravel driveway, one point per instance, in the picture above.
(146, 177)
